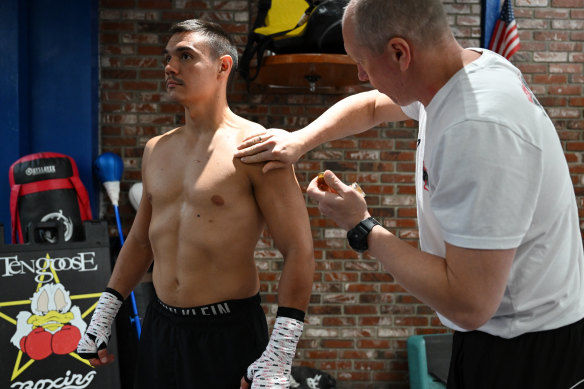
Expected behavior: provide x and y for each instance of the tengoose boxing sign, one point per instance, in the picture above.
(48, 292)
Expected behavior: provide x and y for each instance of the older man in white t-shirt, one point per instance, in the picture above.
(501, 257)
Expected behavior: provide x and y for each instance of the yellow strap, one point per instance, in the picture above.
(284, 15)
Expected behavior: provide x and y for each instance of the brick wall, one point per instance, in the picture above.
(359, 318)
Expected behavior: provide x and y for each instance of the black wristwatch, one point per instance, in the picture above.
(358, 235)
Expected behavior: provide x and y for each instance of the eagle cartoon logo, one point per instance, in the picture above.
(53, 326)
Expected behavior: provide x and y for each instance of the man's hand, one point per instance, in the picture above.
(342, 203)
(103, 358)
(272, 369)
(277, 147)
(93, 344)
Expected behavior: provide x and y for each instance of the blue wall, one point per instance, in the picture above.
(48, 86)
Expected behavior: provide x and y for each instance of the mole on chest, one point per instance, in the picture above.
(217, 200)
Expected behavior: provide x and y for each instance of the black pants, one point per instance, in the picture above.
(201, 347)
(540, 360)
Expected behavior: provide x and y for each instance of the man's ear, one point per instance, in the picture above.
(400, 52)
(225, 64)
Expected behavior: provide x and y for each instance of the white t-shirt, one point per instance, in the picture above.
(491, 174)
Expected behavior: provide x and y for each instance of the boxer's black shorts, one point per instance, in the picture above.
(201, 347)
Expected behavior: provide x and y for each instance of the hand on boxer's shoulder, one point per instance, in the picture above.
(277, 147)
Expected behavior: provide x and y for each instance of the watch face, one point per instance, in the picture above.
(357, 240)
(358, 235)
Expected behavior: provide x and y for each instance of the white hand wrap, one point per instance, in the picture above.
(272, 369)
(100, 328)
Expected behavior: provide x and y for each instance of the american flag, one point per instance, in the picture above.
(505, 39)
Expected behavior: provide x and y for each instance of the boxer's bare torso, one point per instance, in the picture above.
(205, 221)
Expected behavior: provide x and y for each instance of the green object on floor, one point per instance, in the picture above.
(428, 360)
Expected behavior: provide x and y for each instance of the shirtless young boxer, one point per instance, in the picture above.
(199, 220)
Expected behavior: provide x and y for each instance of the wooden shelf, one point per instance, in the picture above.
(318, 73)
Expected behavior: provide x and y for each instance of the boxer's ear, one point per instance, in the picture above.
(225, 64)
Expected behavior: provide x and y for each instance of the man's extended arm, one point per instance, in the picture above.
(350, 116)
(466, 286)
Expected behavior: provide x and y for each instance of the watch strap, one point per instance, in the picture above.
(369, 223)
